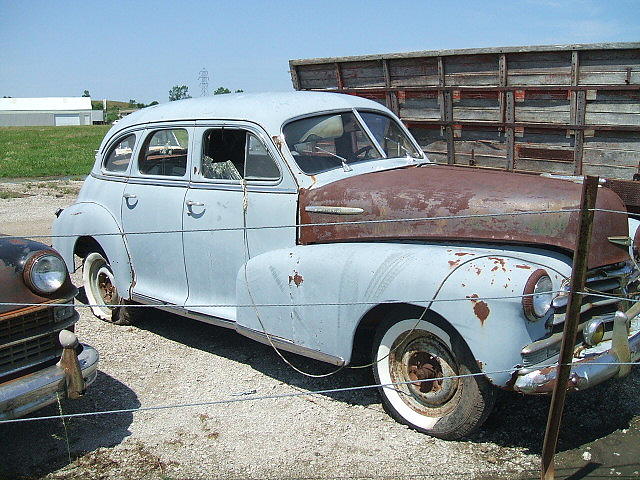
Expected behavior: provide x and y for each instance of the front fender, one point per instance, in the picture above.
(316, 295)
(492, 320)
(88, 219)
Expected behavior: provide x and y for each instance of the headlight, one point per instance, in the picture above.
(45, 273)
(538, 293)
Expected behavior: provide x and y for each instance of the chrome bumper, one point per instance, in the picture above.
(26, 394)
(591, 367)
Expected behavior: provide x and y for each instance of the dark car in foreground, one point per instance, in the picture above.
(41, 359)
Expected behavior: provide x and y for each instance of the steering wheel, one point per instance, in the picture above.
(362, 150)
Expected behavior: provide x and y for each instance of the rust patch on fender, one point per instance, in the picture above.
(480, 308)
(524, 267)
(462, 254)
(296, 278)
(454, 263)
(500, 263)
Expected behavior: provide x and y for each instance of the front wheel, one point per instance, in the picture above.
(415, 350)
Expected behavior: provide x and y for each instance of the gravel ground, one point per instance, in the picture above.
(166, 359)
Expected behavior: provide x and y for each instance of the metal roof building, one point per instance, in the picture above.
(45, 111)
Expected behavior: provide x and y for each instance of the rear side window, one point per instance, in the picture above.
(118, 158)
(165, 153)
(234, 154)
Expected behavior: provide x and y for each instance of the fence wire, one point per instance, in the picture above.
(277, 396)
(303, 225)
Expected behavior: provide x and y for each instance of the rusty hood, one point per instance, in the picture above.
(440, 191)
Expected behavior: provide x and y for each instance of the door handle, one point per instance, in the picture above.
(129, 195)
(191, 203)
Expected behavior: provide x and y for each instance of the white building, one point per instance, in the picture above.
(45, 111)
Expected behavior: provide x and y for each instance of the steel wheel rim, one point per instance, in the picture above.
(421, 356)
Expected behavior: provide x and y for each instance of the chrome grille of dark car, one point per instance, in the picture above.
(29, 353)
(30, 339)
(611, 280)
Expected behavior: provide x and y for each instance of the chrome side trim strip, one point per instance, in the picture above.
(280, 343)
(289, 346)
(235, 186)
(110, 178)
(334, 210)
(218, 322)
(177, 182)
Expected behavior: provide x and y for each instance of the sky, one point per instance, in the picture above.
(138, 50)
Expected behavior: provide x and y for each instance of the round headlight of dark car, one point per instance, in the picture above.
(45, 273)
(538, 293)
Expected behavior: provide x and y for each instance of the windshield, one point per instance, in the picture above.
(390, 136)
(329, 141)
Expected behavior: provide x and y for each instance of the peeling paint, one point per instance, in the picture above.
(454, 263)
(480, 308)
(296, 278)
(500, 263)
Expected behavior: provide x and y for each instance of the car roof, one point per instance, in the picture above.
(270, 110)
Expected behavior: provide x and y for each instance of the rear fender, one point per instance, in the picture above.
(88, 219)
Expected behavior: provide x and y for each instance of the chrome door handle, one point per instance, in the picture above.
(191, 203)
(129, 195)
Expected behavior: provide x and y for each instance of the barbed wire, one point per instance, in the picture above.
(276, 396)
(291, 304)
(468, 298)
(302, 225)
(319, 224)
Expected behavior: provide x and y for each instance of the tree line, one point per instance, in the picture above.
(180, 92)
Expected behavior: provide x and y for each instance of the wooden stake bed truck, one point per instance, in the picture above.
(561, 109)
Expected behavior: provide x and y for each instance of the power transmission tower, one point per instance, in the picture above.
(203, 76)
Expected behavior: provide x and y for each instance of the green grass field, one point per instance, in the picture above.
(48, 151)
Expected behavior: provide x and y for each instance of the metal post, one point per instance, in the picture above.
(572, 319)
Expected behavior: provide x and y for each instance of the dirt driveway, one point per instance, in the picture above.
(171, 360)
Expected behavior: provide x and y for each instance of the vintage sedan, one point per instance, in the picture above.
(306, 221)
(41, 360)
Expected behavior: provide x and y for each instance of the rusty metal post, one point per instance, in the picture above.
(572, 319)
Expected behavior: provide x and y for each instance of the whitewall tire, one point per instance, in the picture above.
(99, 286)
(410, 350)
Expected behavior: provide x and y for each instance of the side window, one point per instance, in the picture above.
(259, 163)
(118, 158)
(165, 153)
(233, 154)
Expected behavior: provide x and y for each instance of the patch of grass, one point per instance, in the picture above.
(4, 194)
(48, 151)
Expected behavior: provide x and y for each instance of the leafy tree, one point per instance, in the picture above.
(152, 104)
(86, 93)
(239, 91)
(132, 103)
(179, 92)
(221, 91)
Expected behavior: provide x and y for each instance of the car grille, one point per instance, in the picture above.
(31, 338)
(612, 280)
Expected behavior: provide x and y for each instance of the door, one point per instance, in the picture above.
(227, 157)
(62, 119)
(152, 211)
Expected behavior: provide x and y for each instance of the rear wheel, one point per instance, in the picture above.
(101, 291)
(419, 351)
